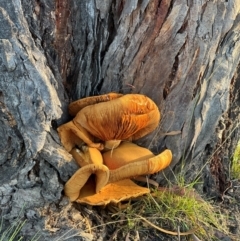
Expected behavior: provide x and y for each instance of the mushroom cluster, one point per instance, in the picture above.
(100, 140)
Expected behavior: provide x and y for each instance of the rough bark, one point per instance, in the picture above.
(182, 54)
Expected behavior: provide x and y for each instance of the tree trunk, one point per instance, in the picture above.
(182, 54)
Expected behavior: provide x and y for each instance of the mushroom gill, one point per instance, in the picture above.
(129, 117)
(115, 193)
(116, 118)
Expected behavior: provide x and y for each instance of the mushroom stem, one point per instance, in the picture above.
(112, 144)
(143, 167)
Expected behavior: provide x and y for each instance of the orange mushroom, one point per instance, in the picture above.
(110, 119)
(72, 136)
(126, 153)
(77, 105)
(88, 155)
(115, 193)
(83, 183)
(127, 117)
(130, 160)
(126, 161)
(91, 177)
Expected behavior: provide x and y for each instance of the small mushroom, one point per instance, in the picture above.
(91, 177)
(88, 155)
(126, 161)
(126, 153)
(83, 183)
(72, 136)
(130, 160)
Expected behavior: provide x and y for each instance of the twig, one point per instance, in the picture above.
(167, 231)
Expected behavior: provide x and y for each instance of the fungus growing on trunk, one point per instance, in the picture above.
(102, 123)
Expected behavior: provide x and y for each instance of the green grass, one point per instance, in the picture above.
(235, 169)
(12, 232)
(175, 209)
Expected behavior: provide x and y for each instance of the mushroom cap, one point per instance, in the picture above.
(142, 166)
(68, 137)
(159, 162)
(115, 193)
(128, 117)
(125, 153)
(72, 136)
(77, 105)
(83, 183)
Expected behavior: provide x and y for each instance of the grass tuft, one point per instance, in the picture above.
(235, 169)
(174, 211)
(12, 232)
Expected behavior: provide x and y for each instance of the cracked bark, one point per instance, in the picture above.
(183, 55)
